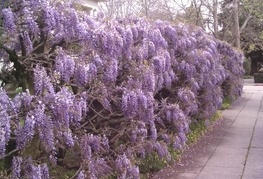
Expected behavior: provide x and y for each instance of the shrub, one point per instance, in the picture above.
(112, 91)
(258, 77)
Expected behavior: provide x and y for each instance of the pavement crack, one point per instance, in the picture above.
(249, 147)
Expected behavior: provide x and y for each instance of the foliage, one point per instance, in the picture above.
(250, 22)
(251, 36)
(197, 130)
(258, 77)
(226, 103)
(247, 66)
(112, 91)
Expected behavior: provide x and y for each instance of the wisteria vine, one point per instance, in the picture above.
(106, 91)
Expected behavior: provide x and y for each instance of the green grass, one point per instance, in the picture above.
(153, 163)
(226, 103)
(197, 130)
(247, 77)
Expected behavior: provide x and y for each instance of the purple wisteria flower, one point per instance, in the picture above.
(130, 103)
(9, 20)
(30, 22)
(161, 150)
(42, 82)
(153, 131)
(151, 49)
(142, 100)
(128, 38)
(111, 71)
(177, 143)
(82, 75)
(45, 171)
(50, 21)
(156, 37)
(167, 80)
(81, 175)
(148, 80)
(65, 65)
(5, 128)
(27, 42)
(44, 125)
(159, 64)
(123, 164)
(25, 133)
(135, 33)
(99, 168)
(188, 101)
(86, 151)
(39, 171)
(16, 167)
(139, 133)
(91, 144)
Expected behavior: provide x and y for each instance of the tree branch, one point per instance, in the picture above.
(12, 152)
(245, 23)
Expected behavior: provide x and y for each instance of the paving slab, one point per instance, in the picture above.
(228, 158)
(254, 164)
(219, 173)
(257, 141)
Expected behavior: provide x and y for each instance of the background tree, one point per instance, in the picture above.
(251, 32)
(250, 20)
(223, 18)
(116, 8)
(236, 29)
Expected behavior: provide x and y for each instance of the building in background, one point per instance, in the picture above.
(90, 6)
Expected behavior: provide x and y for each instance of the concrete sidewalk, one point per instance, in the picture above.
(237, 151)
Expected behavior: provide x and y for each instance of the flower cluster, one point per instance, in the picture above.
(65, 65)
(5, 128)
(16, 167)
(24, 168)
(91, 146)
(25, 133)
(9, 22)
(42, 82)
(125, 168)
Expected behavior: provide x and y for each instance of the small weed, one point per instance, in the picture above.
(61, 173)
(225, 106)
(152, 163)
(2, 165)
(197, 130)
(216, 116)
(247, 77)
(226, 103)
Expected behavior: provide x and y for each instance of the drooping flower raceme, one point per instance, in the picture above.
(5, 128)
(9, 20)
(65, 65)
(16, 167)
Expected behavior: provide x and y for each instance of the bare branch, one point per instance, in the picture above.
(245, 23)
